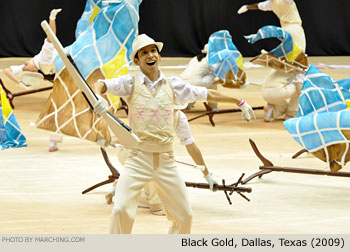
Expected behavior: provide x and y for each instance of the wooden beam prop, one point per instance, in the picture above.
(10, 96)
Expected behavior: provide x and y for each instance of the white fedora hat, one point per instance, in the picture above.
(142, 41)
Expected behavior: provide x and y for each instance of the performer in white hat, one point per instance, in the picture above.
(151, 98)
(281, 91)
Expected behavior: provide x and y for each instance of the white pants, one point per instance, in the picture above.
(280, 94)
(140, 168)
(149, 193)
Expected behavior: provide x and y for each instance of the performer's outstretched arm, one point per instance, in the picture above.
(264, 6)
(247, 111)
(245, 8)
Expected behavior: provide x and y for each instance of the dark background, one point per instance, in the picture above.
(183, 25)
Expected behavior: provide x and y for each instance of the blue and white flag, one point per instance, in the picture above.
(323, 115)
(107, 39)
(92, 7)
(321, 93)
(287, 49)
(11, 135)
(221, 50)
(317, 131)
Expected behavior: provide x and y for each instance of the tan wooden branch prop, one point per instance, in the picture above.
(269, 167)
(299, 153)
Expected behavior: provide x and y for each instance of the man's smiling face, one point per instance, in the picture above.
(148, 59)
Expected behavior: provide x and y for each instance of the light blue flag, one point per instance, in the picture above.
(92, 7)
(320, 93)
(222, 50)
(317, 131)
(345, 84)
(113, 28)
(287, 49)
(322, 113)
(10, 133)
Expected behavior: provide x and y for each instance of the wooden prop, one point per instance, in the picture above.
(210, 113)
(10, 96)
(119, 128)
(299, 153)
(234, 81)
(281, 64)
(228, 189)
(269, 167)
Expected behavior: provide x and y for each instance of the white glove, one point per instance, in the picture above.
(247, 111)
(211, 181)
(243, 9)
(54, 13)
(101, 105)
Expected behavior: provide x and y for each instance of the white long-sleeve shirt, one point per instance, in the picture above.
(184, 92)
